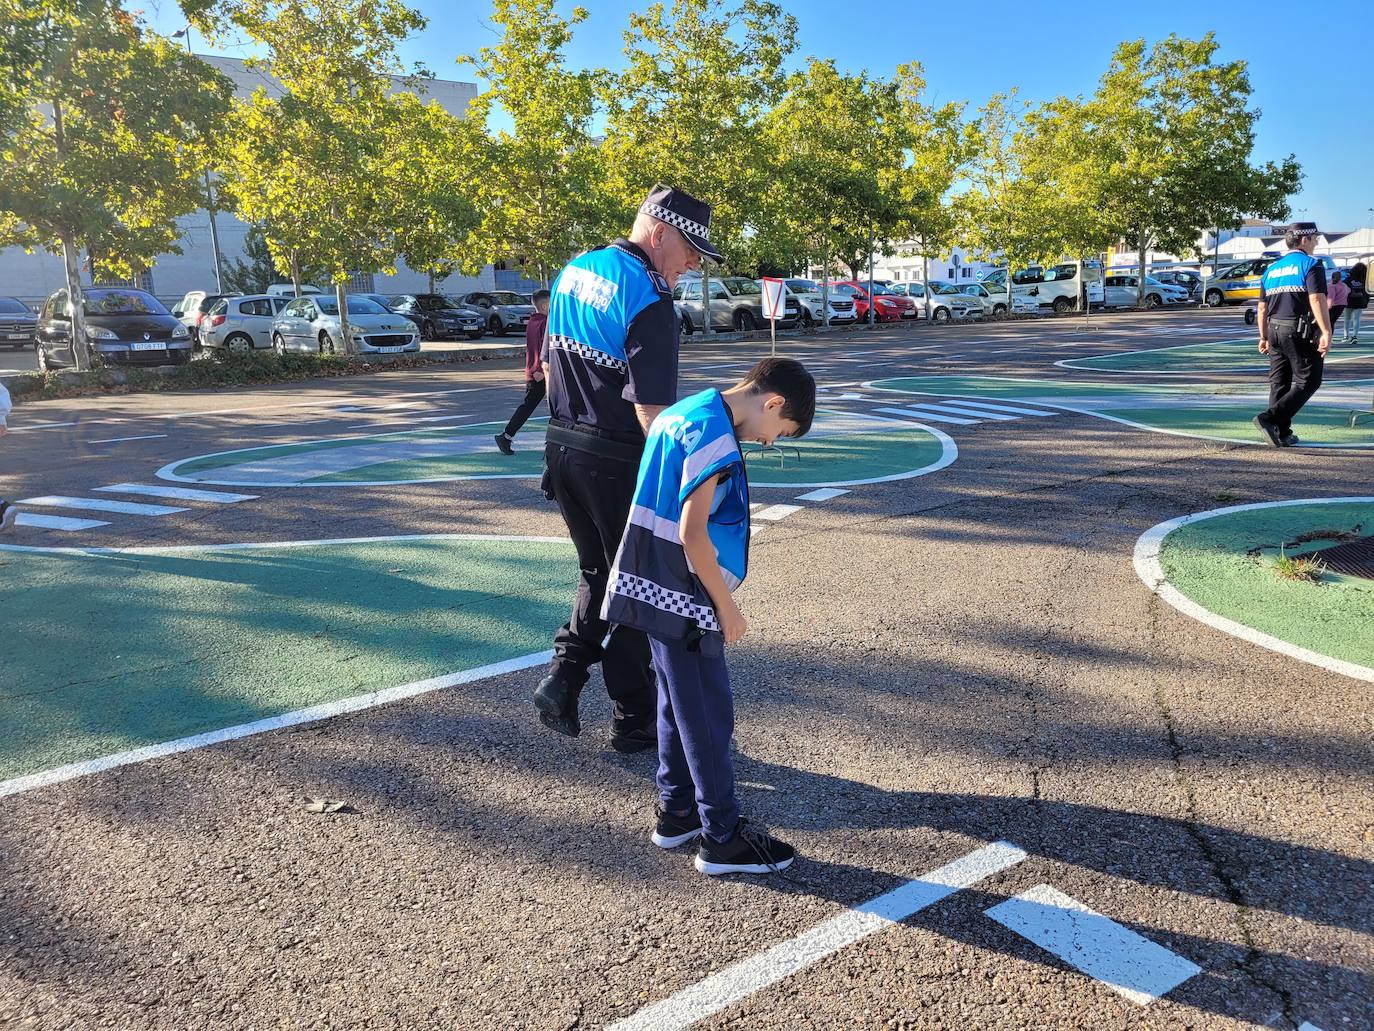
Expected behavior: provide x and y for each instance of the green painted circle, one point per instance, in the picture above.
(845, 448)
(1240, 355)
(1315, 425)
(1225, 564)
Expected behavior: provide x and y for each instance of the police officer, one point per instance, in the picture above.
(611, 354)
(1294, 330)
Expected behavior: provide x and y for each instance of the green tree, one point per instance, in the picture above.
(1176, 132)
(260, 270)
(102, 119)
(542, 196)
(687, 109)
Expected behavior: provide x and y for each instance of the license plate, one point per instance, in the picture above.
(389, 350)
(18, 336)
(152, 345)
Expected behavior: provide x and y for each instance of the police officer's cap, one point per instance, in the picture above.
(1302, 229)
(679, 208)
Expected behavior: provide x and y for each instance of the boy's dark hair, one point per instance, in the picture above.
(788, 378)
(539, 295)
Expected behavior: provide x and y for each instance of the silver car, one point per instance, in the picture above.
(503, 310)
(312, 324)
(941, 302)
(241, 323)
(1121, 292)
(810, 297)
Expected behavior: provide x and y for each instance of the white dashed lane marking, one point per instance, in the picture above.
(1015, 409)
(822, 494)
(179, 493)
(1126, 962)
(742, 979)
(51, 522)
(775, 512)
(116, 440)
(100, 505)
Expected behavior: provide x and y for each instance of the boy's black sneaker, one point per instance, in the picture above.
(8, 514)
(503, 443)
(671, 830)
(1268, 429)
(556, 700)
(751, 850)
(627, 742)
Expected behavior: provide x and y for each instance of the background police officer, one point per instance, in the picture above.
(1294, 330)
(611, 350)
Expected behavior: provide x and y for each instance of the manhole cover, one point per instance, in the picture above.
(1353, 558)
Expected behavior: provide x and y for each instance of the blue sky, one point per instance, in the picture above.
(1042, 47)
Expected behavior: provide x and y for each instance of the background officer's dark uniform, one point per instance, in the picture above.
(1295, 364)
(612, 342)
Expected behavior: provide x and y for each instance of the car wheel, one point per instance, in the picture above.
(1061, 305)
(745, 321)
(999, 309)
(1250, 316)
(278, 344)
(941, 315)
(42, 359)
(426, 330)
(807, 319)
(1153, 301)
(685, 325)
(1214, 299)
(239, 342)
(326, 343)
(496, 327)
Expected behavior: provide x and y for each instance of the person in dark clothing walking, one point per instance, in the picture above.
(611, 357)
(1356, 302)
(1294, 330)
(534, 372)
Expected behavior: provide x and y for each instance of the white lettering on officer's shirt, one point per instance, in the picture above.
(587, 287)
(1285, 271)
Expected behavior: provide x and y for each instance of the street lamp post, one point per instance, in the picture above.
(209, 193)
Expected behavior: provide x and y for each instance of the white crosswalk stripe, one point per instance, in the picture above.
(1016, 409)
(928, 415)
(154, 490)
(100, 505)
(953, 409)
(52, 522)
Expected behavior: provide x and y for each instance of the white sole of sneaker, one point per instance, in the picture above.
(663, 841)
(716, 869)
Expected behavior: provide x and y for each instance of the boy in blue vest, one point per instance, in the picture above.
(685, 548)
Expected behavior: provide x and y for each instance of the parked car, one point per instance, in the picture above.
(289, 290)
(439, 316)
(996, 304)
(736, 304)
(1054, 286)
(1121, 292)
(1236, 284)
(312, 324)
(18, 323)
(501, 310)
(810, 298)
(191, 310)
(939, 307)
(1184, 278)
(123, 327)
(891, 306)
(241, 323)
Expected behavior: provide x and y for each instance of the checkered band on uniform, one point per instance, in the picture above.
(661, 598)
(674, 219)
(591, 354)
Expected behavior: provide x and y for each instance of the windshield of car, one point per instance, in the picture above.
(122, 302)
(878, 288)
(9, 306)
(802, 286)
(356, 306)
(506, 297)
(447, 301)
(945, 288)
(847, 290)
(742, 286)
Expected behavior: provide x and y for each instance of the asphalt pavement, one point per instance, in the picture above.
(1028, 791)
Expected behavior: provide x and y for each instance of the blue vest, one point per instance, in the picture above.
(1283, 287)
(651, 586)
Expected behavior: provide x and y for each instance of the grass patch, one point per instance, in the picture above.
(1225, 497)
(1302, 568)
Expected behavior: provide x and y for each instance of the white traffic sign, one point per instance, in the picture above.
(772, 299)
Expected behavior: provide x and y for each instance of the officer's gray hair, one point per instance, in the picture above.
(1291, 239)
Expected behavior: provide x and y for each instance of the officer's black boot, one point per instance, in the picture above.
(556, 700)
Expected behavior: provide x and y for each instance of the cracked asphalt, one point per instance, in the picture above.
(933, 664)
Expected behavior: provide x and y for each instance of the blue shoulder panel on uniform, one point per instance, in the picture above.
(595, 299)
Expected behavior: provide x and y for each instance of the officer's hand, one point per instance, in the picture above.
(733, 624)
(1324, 344)
(1264, 347)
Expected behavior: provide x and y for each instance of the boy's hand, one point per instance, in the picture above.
(733, 624)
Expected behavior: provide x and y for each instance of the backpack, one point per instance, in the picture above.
(1359, 296)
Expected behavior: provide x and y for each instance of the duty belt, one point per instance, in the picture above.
(583, 438)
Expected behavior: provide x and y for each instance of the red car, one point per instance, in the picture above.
(892, 307)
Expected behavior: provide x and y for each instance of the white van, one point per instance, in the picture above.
(287, 290)
(1054, 286)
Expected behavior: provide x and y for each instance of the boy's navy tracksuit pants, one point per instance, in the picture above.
(696, 718)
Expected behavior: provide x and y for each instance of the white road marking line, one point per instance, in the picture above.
(740, 980)
(442, 418)
(287, 719)
(167, 549)
(1307, 1025)
(1148, 568)
(180, 493)
(822, 494)
(1129, 964)
(979, 405)
(115, 440)
(928, 415)
(100, 505)
(41, 426)
(950, 406)
(851, 397)
(51, 522)
(775, 512)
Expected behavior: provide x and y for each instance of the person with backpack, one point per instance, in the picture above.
(1337, 291)
(1355, 303)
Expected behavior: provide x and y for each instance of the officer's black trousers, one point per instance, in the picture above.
(594, 494)
(1295, 373)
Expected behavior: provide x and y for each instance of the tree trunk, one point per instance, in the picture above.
(81, 348)
(295, 274)
(706, 297)
(1140, 268)
(825, 291)
(345, 345)
(431, 280)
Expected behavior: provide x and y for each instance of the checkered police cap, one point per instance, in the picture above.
(684, 212)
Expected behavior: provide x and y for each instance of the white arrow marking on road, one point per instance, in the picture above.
(1126, 962)
(742, 979)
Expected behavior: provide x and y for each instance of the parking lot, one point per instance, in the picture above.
(1057, 747)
